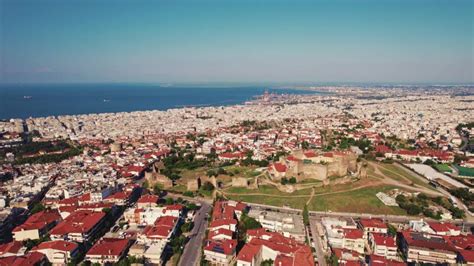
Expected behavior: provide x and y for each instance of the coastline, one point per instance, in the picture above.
(37, 101)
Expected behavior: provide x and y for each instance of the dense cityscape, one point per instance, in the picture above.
(373, 175)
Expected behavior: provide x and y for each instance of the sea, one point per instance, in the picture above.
(41, 100)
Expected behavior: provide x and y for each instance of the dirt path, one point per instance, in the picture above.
(311, 196)
(408, 183)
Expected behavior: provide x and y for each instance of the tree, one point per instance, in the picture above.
(305, 215)
(392, 231)
(157, 188)
(188, 194)
(457, 213)
(192, 206)
(332, 260)
(221, 171)
(211, 173)
(38, 207)
(268, 262)
(247, 222)
(413, 209)
(305, 145)
(187, 227)
(106, 210)
(145, 184)
(208, 186)
(292, 180)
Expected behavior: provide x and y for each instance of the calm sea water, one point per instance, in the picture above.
(22, 101)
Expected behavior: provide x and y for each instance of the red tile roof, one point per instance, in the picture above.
(279, 167)
(224, 222)
(248, 252)
(10, 247)
(373, 223)
(32, 258)
(69, 201)
(121, 195)
(384, 240)
(467, 255)
(299, 254)
(220, 231)
(162, 228)
(382, 149)
(226, 246)
(57, 245)
(148, 199)
(443, 227)
(39, 220)
(169, 221)
(109, 247)
(81, 221)
(353, 233)
(174, 207)
(381, 261)
(222, 211)
(427, 241)
(310, 154)
(462, 242)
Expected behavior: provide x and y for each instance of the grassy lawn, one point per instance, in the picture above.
(310, 181)
(178, 188)
(396, 173)
(242, 171)
(296, 203)
(359, 201)
(442, 167)
(270, 190)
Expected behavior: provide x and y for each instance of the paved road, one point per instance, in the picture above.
(317, 243)
(192, 250)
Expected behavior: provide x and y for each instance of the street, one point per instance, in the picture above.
(192, 250)
(316, 239)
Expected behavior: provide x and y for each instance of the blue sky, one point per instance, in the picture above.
(236, 41)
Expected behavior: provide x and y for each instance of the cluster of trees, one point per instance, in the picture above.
(179, 160)
(421, 204)
(468, 125)
(249, 161)
(207, 186)
(50, 158)
(187, 227)
(364, 144)
(129, 260)
(216, 172)
(33, 148)
(246, 222)
(306, 215)
(465, 195)
(285, 180)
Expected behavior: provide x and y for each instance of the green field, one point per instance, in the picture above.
(268, 190)
(359, 201)
(396, 173)
(296, 203)
(464, 171)
(443, 168)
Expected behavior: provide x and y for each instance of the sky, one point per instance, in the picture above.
(48, 41)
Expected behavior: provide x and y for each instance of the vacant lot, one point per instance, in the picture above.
(361, 200)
